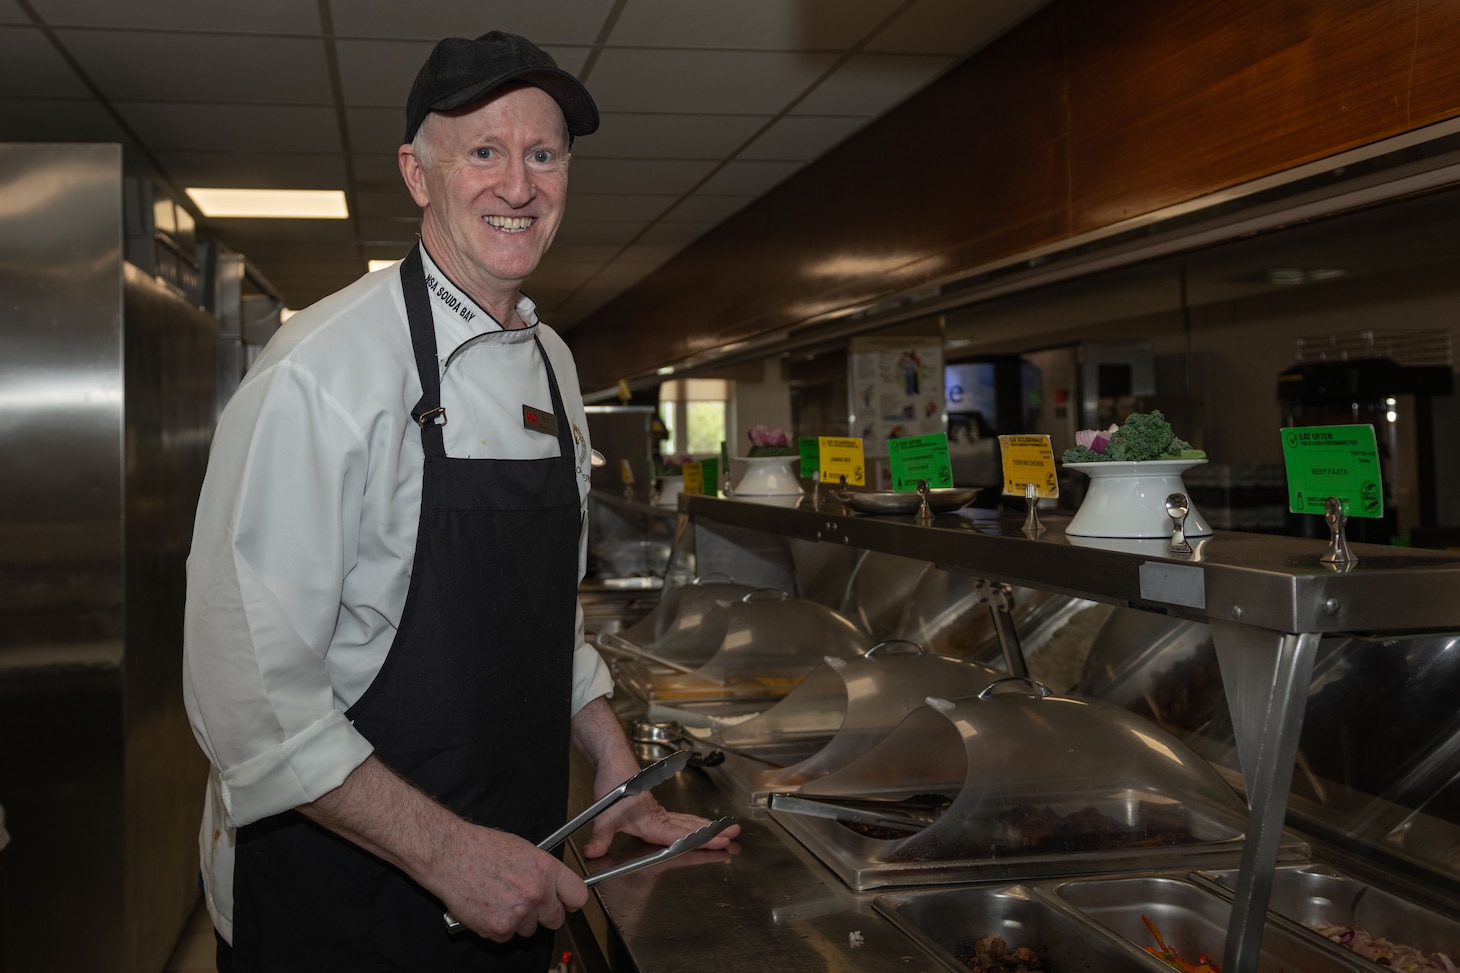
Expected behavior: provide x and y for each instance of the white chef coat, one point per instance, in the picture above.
(306, 532)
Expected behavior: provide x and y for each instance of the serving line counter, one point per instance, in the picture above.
(1268, 601)
(764, 904)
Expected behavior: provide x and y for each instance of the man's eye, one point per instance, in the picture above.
(482, 153)
(543, 157)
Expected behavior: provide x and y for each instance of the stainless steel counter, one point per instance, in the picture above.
(1268, 600)
(764, 904)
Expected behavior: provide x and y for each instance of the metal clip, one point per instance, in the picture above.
(1032, 526)
(436, 416)
(925, 513)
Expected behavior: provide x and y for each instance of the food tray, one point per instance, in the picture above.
(1193, 921)
(946, 922)
(941, 500)
(1314, 895)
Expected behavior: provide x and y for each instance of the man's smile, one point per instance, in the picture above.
(510, 224)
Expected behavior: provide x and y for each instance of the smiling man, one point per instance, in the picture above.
(384, 654)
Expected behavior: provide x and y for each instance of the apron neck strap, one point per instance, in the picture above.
(427, 411)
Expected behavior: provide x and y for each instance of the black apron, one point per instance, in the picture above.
(472, 705)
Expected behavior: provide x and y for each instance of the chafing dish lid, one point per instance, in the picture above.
(1032, 772)
(688, 623)
(846, 705)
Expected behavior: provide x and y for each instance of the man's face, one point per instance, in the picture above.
(494, 189)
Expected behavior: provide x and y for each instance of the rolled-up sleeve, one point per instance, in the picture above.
(591, 675)
(276, 532)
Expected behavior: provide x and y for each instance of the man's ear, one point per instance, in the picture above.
(413, 173)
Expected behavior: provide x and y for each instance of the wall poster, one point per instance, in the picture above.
(896, 389)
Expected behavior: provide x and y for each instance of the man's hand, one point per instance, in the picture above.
(495, 883)
(501, 886)
(643, 817)
(597, 732)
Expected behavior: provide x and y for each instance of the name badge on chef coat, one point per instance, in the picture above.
(539, 420)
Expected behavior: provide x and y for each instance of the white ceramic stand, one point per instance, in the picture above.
(670, 487)
(769, 476)
(1129, 499)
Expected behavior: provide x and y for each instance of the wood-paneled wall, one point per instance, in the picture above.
(1085, 115)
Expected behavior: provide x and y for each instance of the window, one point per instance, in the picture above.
(696, 414)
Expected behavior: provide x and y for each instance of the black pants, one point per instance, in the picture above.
(225, 954)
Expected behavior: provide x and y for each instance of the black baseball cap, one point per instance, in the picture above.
(461, 72)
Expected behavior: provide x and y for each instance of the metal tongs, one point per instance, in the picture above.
(913, 814)
(652, 775)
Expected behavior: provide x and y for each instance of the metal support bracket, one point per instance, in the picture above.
(1267, 675)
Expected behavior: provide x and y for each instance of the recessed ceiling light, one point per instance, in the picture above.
(278, 204)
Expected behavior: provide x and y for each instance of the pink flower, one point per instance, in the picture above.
(1095, 439)
(764, 436)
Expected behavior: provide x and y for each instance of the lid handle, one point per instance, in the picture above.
(1003, 687)
(897, 646)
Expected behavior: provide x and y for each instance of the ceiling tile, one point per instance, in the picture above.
(623, 273)
(649, 176)
(376, 169)
(385, 249)
(379, 73)
(386, 204)
(256, 170)
(951, 26)
(700, 208)
(58, 120)
(376, 130)
(566, 272)
(30, 65)
(748, 178)
(598, 233)
(218, 128)
(623, 135)
(647, 255)
(255, 16)
(202, 67)
(683, 85)
(801, 138)
(546, 24)
(390, 229)
(589, 206)
(584, 253)
(869, 84)
(808, 25)
(727, 82)
(675, 234)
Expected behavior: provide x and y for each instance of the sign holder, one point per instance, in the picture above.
(1338, 553)
(1032, 526)
(1341, 465)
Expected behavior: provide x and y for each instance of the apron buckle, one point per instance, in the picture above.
(436, 416)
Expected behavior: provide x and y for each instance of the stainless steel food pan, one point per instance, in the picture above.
(1314, 895)
(947, 922)
(1193, 921)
